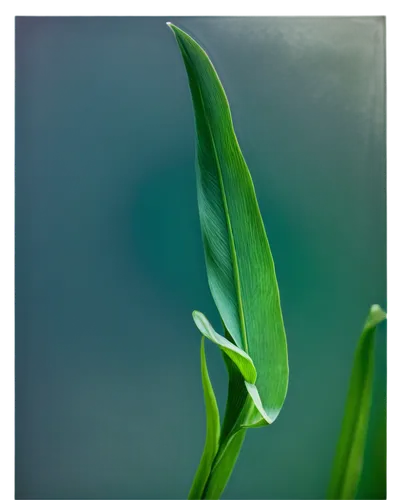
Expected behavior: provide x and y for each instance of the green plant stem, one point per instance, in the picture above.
(225, 464)
(227, 455)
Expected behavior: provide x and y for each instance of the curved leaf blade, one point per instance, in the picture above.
(240, 268)
(348, 462)
(255, 396)
(212, 432)
(241, 359)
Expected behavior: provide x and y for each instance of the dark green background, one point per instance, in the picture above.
(109, 260)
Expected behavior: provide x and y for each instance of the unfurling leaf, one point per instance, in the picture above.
(241, 359)
(348, 462)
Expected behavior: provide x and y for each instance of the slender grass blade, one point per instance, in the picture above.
(348, 462)
(212, 432)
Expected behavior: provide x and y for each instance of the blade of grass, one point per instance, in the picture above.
(372, 483)
(240, 268)
(348, 462)
(212, 432)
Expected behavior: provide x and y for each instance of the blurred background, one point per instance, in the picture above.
(109, 258)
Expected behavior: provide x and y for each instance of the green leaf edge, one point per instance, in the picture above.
(212, 431)
(241, 359)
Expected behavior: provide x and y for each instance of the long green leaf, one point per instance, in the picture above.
(212, 433)
(239, 263)
(348, 462)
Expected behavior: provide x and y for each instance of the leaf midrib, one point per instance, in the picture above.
(225, 204)
(230, 231)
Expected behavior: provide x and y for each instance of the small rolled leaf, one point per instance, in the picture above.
(241, 359)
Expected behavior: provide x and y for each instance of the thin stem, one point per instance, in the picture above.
(227, 455)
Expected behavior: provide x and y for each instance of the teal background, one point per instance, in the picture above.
(109, 260)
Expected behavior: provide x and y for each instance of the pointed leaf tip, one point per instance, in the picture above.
(172, 27)
(375, 316)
